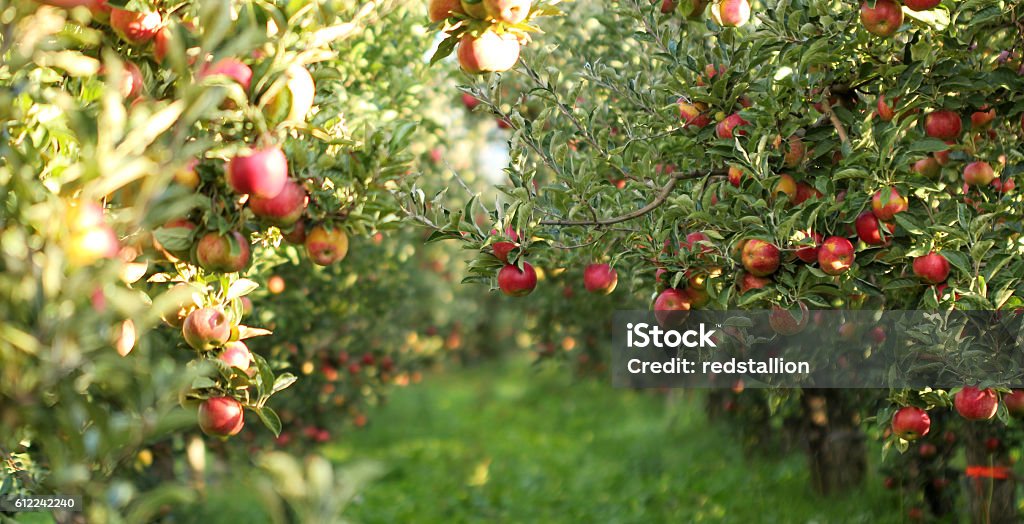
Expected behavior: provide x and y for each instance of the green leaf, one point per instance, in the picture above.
(270, 419)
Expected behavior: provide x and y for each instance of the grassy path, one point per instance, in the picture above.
(506, 443)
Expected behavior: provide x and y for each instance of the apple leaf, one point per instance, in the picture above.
(241, 288)
(270, 419)
(245, 332)
(174, 238)
(283, 381)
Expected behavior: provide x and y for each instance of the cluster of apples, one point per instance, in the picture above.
(971, 402)
(516, 281)
(88, 238)
(726, 13)
(487, 47)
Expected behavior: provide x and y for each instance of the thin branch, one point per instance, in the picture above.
(663, 195)
(843, 137)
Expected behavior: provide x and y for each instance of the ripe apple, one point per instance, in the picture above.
(1014, 402)
(694, 114)
(232, 68)
(943, 124)
(786, 322)
(474, 8)
(261, 173)
(885, 112)
(983, 118)
(131, 83)
(294, 101)
(516, 282)
(186, 175)
(730, 13)
(85, 247)
(805, 192)
(600, 278)
(440, 9)
(933, 268)
(698, 297)
(671, 307)
(976, 404)
(728, 127)
(869, 229)
(787, 186)
(978, 173)
(911, 423)
(927, 450)
(883, 19)
(927, 167)
(470, 101)
(507, 11)
(296, 235)
(502, 249)
(697, 239)
(221, 416)
(748, 282)
(236, 354)
(489, 52)
(326, 247)
(206, 328)
(921, 5)
(795, 152)
(134, 27)
(808, 253)
(735, 176)
(218, 253)
(836, 255)
(760, 258)
(886, 204)
(284, 209)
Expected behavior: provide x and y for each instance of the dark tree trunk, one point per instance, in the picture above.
(835, 444)
(992, 499)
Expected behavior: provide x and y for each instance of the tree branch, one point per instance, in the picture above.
(663, 195)
(843, 137)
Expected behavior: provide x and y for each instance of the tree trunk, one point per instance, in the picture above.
(992, 499)
(835, 444)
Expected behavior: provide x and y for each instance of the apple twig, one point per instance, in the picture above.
(663, 194)
(843, 137)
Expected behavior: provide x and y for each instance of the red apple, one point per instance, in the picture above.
(809, 253)
(749, 282)
(1004, 186)
(786, 322)
(787, 186)
(983, 118)
(221, 416)
(921, 5)
(471, 102)
(869, 229)
(943, 124)
(236, 354)
(692, 9)
(694, 114)
(911, 423)
(296, 235)
(933, 268)
(671, 307)
(325, 247)
(516, 282)
(885, 112)
(836, 255)
(976, 404)
(261, 173)
(502, 250)
(489, 52)
(295, 100)
(978, 174)
(230, 67)
(218, 253)
(760, 258)
(795, 152)
(440, 9)
(805, 192)
(735, 176)
(206, 328)
(135, 27)
(507, 11)
(284, 209)
(730, 13)
(729, 127)
(600, 278)
(927, 167)
(883, 19)
(1014, 402)
(886, 204)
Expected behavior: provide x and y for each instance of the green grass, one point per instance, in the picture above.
(506, 443)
